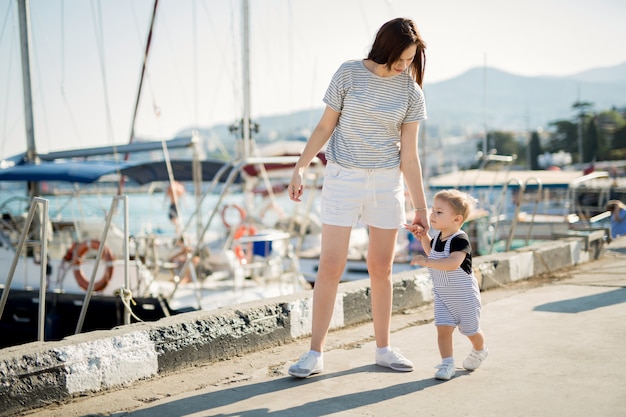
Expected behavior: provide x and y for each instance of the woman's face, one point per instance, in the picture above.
(406, 59)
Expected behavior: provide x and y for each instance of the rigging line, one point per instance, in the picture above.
(147, 78)
(170, 170)
(222, 47)
(41, 92)
(62, 80)
(62, 47)
(390, 7)
(170, 175)
(237, 94)
(194, 30)
(98, 28)
(7, 89)
(364, 17)
(179, 79)
(265, 176)
(143, 72)
(120, 186)
(223, 53)
(290, 53)
(6, 18)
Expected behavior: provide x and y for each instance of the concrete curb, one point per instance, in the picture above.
(37, 374)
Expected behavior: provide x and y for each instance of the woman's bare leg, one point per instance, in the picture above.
(335, 240)
(380, 254)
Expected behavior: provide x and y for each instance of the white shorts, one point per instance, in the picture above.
(377, 195)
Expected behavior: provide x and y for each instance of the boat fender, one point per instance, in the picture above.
(243, 230)
(240, 210)
(76, 254)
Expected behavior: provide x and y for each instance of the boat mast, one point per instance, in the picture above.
(139, 89)
(31, 150)
(246, 147)
(142, 75)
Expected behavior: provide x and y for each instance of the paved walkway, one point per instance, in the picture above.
(556, 349)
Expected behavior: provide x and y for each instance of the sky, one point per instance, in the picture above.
(87, 55)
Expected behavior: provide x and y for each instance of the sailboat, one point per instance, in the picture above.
(66, 276)
(71, 276)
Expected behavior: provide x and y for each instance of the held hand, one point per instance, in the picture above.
(420, 260)
(415, 229)
(421, 219)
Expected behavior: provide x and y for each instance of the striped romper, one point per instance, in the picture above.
(456, 294)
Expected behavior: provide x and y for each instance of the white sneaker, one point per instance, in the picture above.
(475, 359)
(393, 359)
(445, 371)
(307, 365)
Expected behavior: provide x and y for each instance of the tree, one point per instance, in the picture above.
(619, 138)
(581, 107)
(609, 120)
(591, 147)
(612, 134)
(535, 151)
(564, 137)
(503, 142)
(603, 135)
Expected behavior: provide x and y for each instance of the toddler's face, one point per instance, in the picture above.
(442, 215)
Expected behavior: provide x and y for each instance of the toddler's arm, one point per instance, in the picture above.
(443, 264)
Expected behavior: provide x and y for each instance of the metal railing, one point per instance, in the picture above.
(536, 204)
(37, 202)
(92, 280)
(500, 207)
(41, 204)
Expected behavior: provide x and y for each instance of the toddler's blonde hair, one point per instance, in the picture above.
(462, 203)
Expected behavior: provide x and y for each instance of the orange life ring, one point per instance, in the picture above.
(240, 210)
(243, 230)
(76, 253)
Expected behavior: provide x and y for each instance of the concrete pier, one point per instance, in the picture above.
(555, 350)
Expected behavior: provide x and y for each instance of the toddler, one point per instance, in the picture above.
(455, 288)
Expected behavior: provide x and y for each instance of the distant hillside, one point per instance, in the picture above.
(499, 100)
(479, 98)
(603, 75)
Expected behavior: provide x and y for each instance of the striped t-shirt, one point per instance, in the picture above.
(373, 109)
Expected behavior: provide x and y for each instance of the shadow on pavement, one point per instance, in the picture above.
(208, 402)
(589, 302)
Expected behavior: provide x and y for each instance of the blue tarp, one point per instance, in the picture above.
(90, 171)
(75, 171)
(146, 172)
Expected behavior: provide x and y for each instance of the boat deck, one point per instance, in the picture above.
(484, 178)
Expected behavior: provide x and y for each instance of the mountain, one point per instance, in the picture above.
(499, 100)
(478, 99)
(603, 75)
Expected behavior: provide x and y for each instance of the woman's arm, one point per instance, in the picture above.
(412, 171)
(318, 139)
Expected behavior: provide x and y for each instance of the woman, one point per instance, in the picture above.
(371, 121)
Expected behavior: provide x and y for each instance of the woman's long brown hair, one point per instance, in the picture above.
(392, 40)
